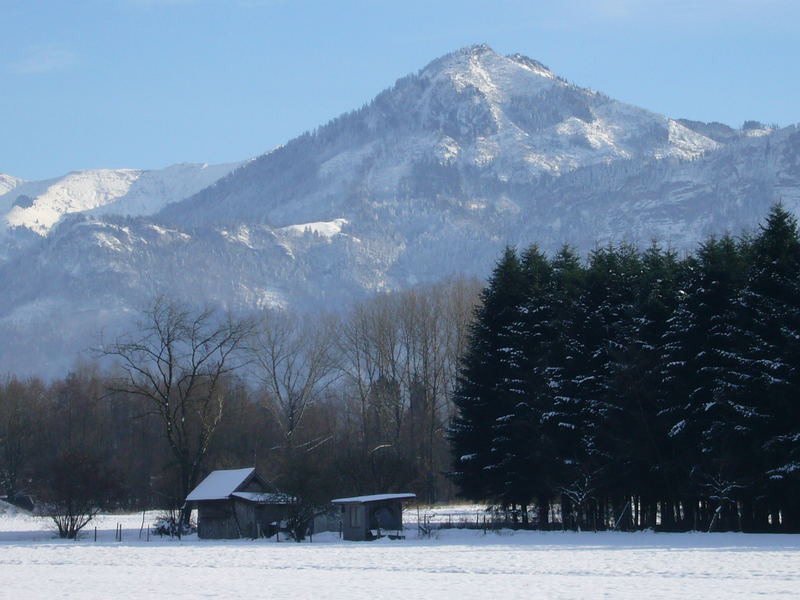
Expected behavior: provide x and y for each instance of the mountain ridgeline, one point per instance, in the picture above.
(431, 178)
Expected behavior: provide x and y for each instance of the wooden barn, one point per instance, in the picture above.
(370, 517)
(237, 503)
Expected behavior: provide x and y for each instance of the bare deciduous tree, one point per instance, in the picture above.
(78, 487)
(400, 355)
(177, 362)
(294, 362)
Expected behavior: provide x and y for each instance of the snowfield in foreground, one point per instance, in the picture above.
(458, 564)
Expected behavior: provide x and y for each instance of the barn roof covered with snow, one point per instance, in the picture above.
(219, 485)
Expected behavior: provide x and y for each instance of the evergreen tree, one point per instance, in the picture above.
(640, 390)
(610, 388)
(698, 352)
(578, 379)
(648, 284)
(526, 449)
(766, 403)
(486, 390)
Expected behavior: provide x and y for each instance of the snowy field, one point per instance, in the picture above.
(457, 564)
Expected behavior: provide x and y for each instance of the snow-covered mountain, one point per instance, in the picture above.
(509, 118)
(38, 205)
(432, 177)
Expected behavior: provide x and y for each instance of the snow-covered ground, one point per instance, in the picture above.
(460, 564)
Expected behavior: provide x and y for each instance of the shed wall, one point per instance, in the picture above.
(359, 519)
(215, 520)
(246, 518)
(354, 527)
(232, 519)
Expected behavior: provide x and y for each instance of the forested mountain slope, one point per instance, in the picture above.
(432, 177)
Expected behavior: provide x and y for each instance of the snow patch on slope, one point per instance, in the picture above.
(326, 229)
(688, 144)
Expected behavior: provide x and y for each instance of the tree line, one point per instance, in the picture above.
(322, 405)
(639, 389)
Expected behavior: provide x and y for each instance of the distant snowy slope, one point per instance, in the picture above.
(153, 190)
(38, 205)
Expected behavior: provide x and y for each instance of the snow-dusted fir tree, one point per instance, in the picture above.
(698, 350)
(606, 330)
(766, 399)
(552, 351)
(485, 394)
(526, 450)
(640, 390)
(594, 334)
(646, 288)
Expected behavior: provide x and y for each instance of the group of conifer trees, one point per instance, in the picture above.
(640, 389)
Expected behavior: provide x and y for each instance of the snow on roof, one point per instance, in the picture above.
(219, 484)
(264, 498)
(374, 498)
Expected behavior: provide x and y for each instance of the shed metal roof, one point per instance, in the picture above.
(374, 498)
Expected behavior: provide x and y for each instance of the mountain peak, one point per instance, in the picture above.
(508, 117)
(478, 49)
(483, 57)
(472, 50)
(493, 76)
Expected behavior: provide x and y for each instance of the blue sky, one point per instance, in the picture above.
(147, 83)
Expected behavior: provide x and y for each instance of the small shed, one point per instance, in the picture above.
(237, 503)
(368, 517)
